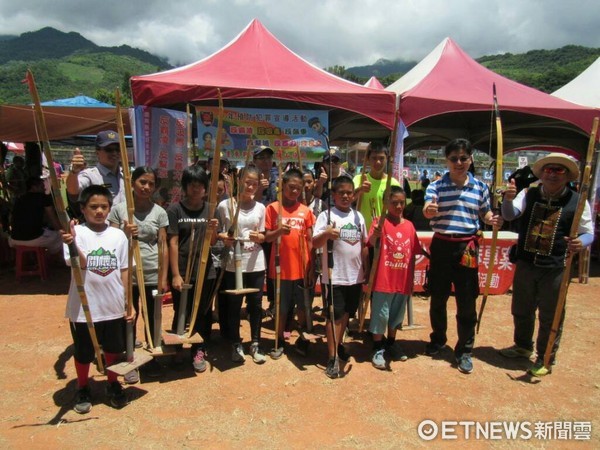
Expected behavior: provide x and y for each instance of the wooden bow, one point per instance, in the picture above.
(63, 216)
(212, 205)
(364, 303)
(564, 283)
(496, 195)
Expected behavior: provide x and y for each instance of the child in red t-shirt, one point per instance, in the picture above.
(395, 277)
(297, 221)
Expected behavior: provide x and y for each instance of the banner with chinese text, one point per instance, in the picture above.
(504, 270)
(285, 130)
(160, 141)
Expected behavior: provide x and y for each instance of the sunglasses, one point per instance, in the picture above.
(262, 158)
(556, 170)
(111, 149)
(462, 159)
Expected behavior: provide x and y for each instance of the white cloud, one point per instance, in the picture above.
(326, 32)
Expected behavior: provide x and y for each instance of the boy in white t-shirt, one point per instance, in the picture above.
(348, 234)
(103, 258)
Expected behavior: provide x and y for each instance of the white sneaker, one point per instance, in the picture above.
(257, 355)
(238, 355)
(132, 377)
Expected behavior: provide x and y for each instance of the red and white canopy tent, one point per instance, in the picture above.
(257, 70)
(374, 83)
(448, 95)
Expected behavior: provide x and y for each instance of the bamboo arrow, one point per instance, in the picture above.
(63, 216)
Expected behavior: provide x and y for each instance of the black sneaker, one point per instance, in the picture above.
(301, 346)
(116, 396)
(333, 369)
(342, 353)
(465, 363)
(83, 403)
(433, 348)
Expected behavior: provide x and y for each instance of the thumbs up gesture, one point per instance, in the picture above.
(431, 208)
(77, 161)
(511, 191)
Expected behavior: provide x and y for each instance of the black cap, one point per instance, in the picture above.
(334, 153)
(106, 138)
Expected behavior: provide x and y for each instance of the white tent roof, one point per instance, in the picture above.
(584, 89)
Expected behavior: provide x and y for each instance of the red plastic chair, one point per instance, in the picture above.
(24, 257)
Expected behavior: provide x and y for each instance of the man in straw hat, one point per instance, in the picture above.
(547, 213)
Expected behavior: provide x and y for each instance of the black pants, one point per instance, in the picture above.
(444, 272)
(149, 309)
(230, 306)
(203, 324)
(536, 289)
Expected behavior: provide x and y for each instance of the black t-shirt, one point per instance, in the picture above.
(28, 216)
(181, 220)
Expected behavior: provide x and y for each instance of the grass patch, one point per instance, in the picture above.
(76, 72)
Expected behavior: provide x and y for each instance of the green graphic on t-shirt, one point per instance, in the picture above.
(349, 233)
(101, 262)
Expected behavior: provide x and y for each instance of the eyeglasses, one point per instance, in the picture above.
(556, 170)
(455, 159)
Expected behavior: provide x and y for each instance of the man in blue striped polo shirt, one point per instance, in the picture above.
(456, 203)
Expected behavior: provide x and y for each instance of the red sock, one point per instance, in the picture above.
(111, 358)
(83, 371)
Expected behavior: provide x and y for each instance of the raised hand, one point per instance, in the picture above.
(77, 161)
(511, 191)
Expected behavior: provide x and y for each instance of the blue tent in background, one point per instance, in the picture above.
(79, 101)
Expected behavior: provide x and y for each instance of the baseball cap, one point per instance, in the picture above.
(334, 153)
(262, 148)
(106, 138)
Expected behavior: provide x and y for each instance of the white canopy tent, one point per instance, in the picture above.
(584, 89)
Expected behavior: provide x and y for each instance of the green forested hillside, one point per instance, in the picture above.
(546, 70)
(67, 64)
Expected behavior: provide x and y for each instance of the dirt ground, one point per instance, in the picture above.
(290, 403)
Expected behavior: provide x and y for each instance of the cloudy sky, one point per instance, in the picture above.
(325, 32)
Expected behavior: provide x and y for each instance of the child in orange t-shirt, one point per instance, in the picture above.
(297, 221)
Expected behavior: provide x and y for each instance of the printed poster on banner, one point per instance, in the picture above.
(160, 141)
(284, 130)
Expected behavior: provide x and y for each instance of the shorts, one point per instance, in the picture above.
(110, 334)
(345, 299)
(387, 311)
(291, 295)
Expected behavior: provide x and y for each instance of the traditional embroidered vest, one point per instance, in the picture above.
(543, 227)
